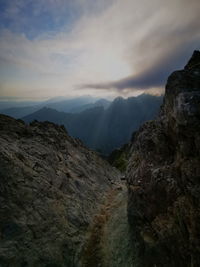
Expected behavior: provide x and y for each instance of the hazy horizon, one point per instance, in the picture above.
(61, 98)
(51, 48)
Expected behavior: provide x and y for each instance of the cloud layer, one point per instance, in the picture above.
(117, 47)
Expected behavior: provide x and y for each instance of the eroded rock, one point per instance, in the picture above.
(51, 187)
(164, 177)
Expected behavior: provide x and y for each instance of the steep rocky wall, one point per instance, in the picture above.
(163, 177)
(51, 187)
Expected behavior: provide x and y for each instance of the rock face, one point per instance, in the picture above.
(51, 187)
(164, 177)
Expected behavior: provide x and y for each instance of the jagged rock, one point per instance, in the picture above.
(163, 177)
(51, 187)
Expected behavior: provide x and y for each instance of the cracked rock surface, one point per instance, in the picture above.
(51, 187)
(164, 177)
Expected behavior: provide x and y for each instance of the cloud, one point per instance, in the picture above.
(113, 46)
(165, 45)
(156, 75)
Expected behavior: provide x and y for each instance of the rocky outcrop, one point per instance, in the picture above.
(163, 177)
(51, 187)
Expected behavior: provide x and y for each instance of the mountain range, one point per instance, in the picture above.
(103, 126)
(18, 109)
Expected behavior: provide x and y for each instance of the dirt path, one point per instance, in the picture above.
(106, 238)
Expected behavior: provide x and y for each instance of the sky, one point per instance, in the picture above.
(106, 48)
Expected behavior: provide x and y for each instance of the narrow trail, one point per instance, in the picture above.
(105, 243)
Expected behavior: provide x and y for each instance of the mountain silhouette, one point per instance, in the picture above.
(104, 129)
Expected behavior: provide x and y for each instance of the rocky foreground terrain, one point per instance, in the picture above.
(51, 187)
(63, 206)
(163, 177)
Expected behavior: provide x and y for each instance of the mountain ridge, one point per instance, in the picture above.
(73, 105)
(105, 129)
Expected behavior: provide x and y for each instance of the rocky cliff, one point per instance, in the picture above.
(51, 188)
(163, 177)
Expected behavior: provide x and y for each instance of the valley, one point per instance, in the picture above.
(62, 205)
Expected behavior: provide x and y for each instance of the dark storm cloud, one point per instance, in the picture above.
(165, 48)
(115, 45)
(156, 75)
